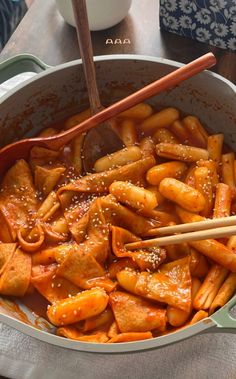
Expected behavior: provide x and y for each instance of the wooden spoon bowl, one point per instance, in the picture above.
(101, 140)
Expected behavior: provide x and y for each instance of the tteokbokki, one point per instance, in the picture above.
(63, 232)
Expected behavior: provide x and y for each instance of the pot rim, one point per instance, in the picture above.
(101, 58)
(206, 325)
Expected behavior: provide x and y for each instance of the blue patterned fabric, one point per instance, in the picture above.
(208, 21)
(11, 13)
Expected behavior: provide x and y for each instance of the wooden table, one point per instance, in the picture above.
(44, 33)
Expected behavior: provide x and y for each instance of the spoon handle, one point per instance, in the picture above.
(86, 52)
(166, 82)
(21, 148)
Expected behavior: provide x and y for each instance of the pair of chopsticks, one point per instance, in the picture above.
(194, 231)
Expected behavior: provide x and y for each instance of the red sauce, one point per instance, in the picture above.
(37, 303)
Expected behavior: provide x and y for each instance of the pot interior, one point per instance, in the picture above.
(61, 92)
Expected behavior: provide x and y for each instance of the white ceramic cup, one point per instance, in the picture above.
(102, 14)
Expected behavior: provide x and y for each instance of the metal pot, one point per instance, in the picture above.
(55, 93)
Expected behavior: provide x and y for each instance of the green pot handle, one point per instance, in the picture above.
(19, 64)
(223, 320)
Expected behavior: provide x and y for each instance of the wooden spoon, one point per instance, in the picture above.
(101, 140)
(21, 149)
